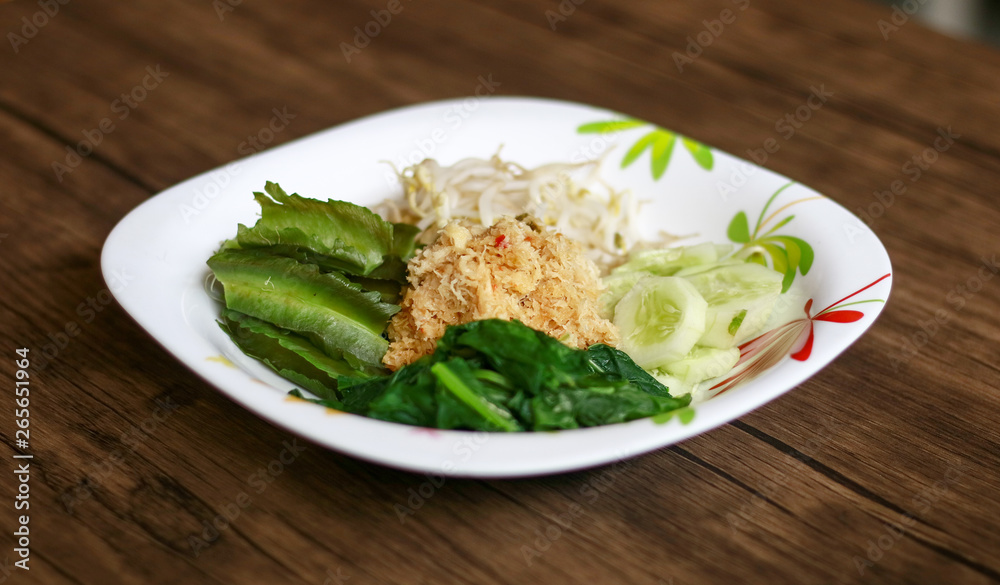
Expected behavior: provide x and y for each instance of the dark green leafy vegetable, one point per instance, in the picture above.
(610, 360)
(496, 375)
(335, 235)
(348, 236)
(327, 402)
(408, 397)
(465, 402)
(531, 360)
(335, 314)
(598, 405)
(309, 290)
(289, 354)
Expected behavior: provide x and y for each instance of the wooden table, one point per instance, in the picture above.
(881, 469)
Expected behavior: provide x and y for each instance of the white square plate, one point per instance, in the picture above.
(163, 244)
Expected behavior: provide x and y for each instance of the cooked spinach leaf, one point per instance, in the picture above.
(496, 375)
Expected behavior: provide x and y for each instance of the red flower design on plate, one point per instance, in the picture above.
(794, 339)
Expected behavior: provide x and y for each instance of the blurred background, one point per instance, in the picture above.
(966, 19)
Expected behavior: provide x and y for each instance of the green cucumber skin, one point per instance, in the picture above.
(325, 307)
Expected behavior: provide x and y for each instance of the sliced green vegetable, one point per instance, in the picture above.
(677, 386)
(742, 294)
(290, 355)
(617, 285)
(667, 261)
(703, 363)
(660, 320)
(335, 314)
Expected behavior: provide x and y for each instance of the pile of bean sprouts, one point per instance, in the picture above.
(568, 197)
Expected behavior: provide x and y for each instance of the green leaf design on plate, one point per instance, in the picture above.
(780, 225)
(701, 153)
(739, 229)
(610, 126)
(789, 255)
(663, 147)
(659, 141)
(638, 148)
(780, 262)
(805, 255)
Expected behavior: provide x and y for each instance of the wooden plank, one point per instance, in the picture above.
(777, 495)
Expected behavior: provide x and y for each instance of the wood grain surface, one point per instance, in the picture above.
(883, 468)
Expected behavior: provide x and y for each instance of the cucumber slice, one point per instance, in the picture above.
(660, 320)
(706, 267)
(618, 286)
(740, 298)
(667, 261)
(676, 386)
(703, 363)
